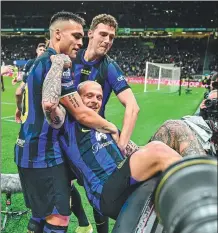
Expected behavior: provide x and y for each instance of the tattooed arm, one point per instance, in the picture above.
(177, 135)
(87, 116)
(55, 114)
(51, 92)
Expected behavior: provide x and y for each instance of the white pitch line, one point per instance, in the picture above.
(7, 117)
(8, 103)
(10, 120)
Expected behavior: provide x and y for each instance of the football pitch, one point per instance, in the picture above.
(155, 108)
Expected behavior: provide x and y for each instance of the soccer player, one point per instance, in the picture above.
(43, 175)
(22, 77)
(93, 63)
(39, 51)
(109, 177)
(5, 70)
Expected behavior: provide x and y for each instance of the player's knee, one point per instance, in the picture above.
(160, 152)
(156, 146)
(58, 220)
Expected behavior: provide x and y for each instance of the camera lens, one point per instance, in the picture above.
(186, 196)
(208, 103)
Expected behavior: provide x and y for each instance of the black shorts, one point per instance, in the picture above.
(116, 190)
(46, 190)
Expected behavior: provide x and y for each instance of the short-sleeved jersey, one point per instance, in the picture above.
(37, 145)
(104, 71)
(94, 155)
(27, 67)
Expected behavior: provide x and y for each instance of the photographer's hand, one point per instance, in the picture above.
(202, 105)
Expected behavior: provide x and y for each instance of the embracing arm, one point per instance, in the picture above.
(127, 98)
(51, 92)
(55, 113)
(85, 115)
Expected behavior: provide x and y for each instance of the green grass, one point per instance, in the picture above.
(154, 110)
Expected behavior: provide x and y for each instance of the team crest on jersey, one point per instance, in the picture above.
(120, 78)
(99, 136)
(66, 73)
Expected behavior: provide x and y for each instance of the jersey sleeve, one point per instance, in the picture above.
(116, 78)
(38, 71)
(26, 69)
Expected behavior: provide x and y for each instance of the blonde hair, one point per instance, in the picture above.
(82, 84)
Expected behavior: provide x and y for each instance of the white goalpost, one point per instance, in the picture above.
(161, 77)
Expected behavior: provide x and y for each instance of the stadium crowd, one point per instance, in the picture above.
(149, 14)
(130, 53)
(51, 85)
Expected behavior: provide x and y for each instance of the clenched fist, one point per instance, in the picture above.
(62, 59)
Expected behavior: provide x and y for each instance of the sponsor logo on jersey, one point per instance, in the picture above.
(97, 146)
(86, 72)
(68, 84)
(85, 130)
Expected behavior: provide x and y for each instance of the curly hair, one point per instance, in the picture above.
(105, 19)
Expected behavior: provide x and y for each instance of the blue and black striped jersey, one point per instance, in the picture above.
(27, 67)
(37, 145)
(104, 71)
(95, 156)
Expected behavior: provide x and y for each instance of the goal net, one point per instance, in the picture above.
(163, 78)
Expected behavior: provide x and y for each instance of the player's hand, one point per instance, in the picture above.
(202, 105)
(6, 69)
(122, 146)
(18, 116)
(61, 59)
(14, 81)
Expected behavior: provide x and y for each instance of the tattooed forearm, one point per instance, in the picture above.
(55, 118)
(177, 135)
(51, 92)
(52, 85)
(73, 100)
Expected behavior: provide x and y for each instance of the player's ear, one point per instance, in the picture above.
(57, 34)
(90, 34)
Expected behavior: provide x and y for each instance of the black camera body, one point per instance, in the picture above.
(211, 109)
(211, 104)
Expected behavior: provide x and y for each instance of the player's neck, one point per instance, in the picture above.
(90, 55)
(54, 46)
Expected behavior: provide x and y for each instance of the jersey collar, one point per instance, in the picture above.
(88, 62)
(51, 50)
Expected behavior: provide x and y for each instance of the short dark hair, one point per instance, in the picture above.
(41, 45)
(66, 16)
(105, 19)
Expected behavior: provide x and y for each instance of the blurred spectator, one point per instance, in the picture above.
(135, 14)
(130, 53)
